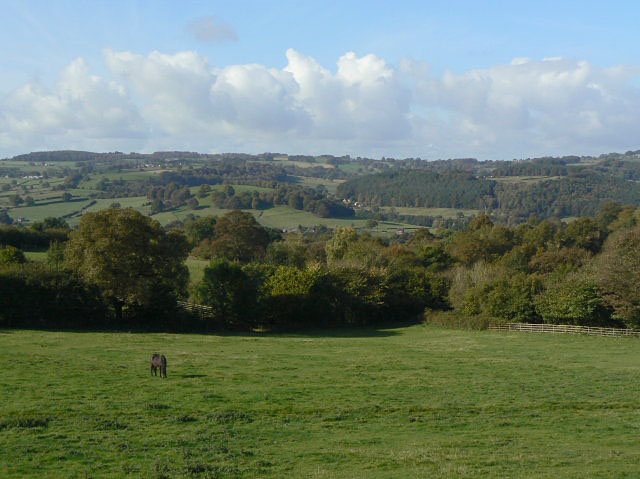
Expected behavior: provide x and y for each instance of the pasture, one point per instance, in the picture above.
(419, 401)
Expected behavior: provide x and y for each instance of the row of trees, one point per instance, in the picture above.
(580, 194)
(582, 273)
(121, 267)
(313, 200)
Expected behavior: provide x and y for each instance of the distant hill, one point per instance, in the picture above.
(579, 194)
(512, 190)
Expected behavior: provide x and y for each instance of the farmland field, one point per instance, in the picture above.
(418, 401)
(444, 212)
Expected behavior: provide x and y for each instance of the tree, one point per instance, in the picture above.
(617, 272)
(50, 223)
(199, 229)
(11, 255)
(574, 299)
(339, 243)
(371, 223)
(55, 254)
(203, 191)
(5, 218)
(193, 203)
(584, 233)
(230, 292)
(130, 257)
(66, 196)
(239, 237)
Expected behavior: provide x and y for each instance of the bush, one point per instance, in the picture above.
(36, 296)
(11, 255)
(573, 300)
(509, 299)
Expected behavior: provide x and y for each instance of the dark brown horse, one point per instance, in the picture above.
(158, 361)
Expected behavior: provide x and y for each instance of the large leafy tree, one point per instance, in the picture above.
(230, 292)
(130, 257)
(617, 272)
(239, 237)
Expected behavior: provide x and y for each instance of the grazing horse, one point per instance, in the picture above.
(158, 361)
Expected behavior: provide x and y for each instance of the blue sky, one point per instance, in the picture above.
(442, 74)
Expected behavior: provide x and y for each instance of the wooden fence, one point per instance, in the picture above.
(199, 309)
(565, 328)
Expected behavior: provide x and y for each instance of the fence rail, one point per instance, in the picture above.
(200, 309)
(565, 328)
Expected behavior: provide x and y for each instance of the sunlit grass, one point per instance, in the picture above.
(408, 402)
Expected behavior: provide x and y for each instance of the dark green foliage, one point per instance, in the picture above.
(130, 258)
(27, 238)
(36, 296)
(418, 188)
(238, 237)
(433, 257)
(11, 255)
(5, 219)
(573, 299)
(569, 196)
(584, 233)
(576, 195)
(483, 243)
(50, 223)
(232, 294)
(617, 273)
(509, 299)
(199, 229)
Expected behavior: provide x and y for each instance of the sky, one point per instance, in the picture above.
(429, 79)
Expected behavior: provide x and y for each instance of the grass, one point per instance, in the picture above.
(36, 255)
(196, 268)
(444, 212)
(419, 402)
(525, 179)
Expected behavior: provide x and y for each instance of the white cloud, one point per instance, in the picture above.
(81, 109)
(211, 29)
(554, 105)
(365, 107)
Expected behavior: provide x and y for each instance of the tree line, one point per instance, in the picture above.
(121, 269)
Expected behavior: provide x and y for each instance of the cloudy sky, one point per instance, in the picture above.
(435, 79)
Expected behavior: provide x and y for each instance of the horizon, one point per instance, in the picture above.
(346, 155)
(493, 82)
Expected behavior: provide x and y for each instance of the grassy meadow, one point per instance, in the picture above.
(415, 402)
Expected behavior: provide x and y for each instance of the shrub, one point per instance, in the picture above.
(507, 298)
(573, 300)
(36, 296)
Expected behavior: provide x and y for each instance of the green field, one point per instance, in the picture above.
(196, 268)
(444, 212)
(524, 179)
(416, 402)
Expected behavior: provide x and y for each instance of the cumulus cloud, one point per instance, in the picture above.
(81, 109)
(553, 105)
(365, 106)
(211, 29)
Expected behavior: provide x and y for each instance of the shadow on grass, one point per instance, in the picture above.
(190, 376)
(373, 331)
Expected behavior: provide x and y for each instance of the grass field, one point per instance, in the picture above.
(416, 402)
(525, 179)
(444, 212)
